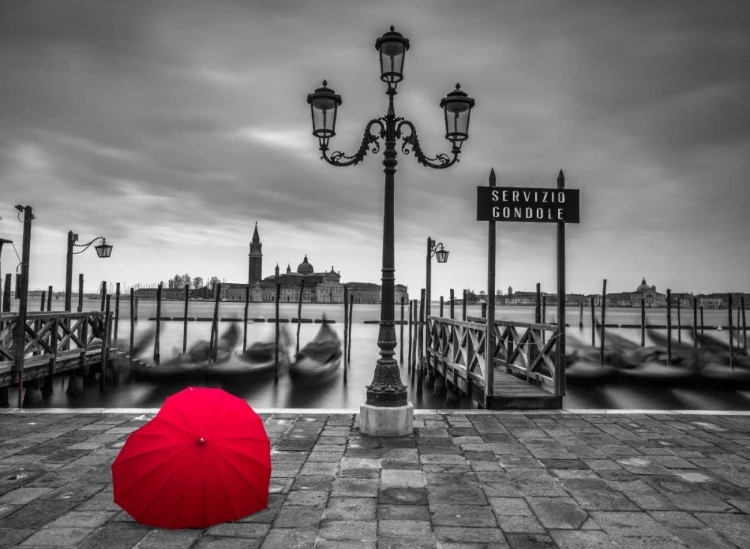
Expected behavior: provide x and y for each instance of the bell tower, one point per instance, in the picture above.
(255, 267)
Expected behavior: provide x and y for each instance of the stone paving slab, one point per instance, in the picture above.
(463, 480)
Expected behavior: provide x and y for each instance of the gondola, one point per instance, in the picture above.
(318, 361)
(258, 360)
(194, 363)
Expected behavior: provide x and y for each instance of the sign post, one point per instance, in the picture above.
(532, 205)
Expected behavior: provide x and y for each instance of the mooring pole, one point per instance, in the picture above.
(560, 361)
(604, 308)
(669, 327)
(489, 338)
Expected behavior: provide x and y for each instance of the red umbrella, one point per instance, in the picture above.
(204, 459)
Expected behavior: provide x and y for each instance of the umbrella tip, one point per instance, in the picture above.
(201, 440)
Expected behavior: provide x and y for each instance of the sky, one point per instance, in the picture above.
(172, 127)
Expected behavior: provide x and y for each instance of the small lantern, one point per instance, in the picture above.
(441, 254)
(103, 249)
(457, 108)
(324, 105)
(392, 47)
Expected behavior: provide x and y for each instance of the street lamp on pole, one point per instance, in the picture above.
(437, 250)
(387, 392)
(103, 250)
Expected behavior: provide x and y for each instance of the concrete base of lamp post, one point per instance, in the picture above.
(386, 421)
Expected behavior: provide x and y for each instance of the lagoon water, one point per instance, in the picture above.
(350, 394)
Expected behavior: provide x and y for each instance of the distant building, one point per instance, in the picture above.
(648, 295)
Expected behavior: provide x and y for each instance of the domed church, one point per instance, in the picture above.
(649, 295)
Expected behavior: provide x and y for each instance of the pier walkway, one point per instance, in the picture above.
(464, 480)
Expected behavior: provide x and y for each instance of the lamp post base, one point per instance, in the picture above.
(386, 421)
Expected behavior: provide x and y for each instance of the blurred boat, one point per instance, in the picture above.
(258, 360)
(319, 360)
(194, 363)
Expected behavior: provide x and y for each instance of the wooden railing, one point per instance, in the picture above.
(49, 337)
(526, 350)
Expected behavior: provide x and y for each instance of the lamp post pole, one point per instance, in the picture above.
(103, 250)
(20, 335)
(386, 411)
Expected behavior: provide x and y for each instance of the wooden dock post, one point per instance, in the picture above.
(43, 302)
(80, 292)
(401, 334)
(104, 357)
(420, 340)
(132, 328)
(695, 322)
(6, 293)
(593, 322)
(157, 355)
(580, 317)
(408, 357)
(731, 332)
(643, 321)
(489, 336)
(679, 321)
(213, 345)
(560, 358)
(49, 299)
(463, 307)
(299, 311)
(669, 327)
(744, 323)
(346, 320)
(701, 323)
(351, 323)
(441, 306)
(185, 319)
(604, 310)
(244, 318)
(276, 348)
(453, 302)
(117, 312)
(103, 292)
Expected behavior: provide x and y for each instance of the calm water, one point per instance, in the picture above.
(364, 353)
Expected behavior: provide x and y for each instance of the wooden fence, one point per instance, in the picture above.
(527, 364)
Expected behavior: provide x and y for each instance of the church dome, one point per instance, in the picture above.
(644, 287)
(305, 267)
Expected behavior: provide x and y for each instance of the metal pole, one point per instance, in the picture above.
(386, 388)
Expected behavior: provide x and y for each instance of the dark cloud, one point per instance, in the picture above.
(181, 123)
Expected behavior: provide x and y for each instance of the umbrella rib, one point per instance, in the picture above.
(223, 484)
(242, 476)
(172, 473)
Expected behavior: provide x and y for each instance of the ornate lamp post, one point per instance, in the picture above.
(386, 410)
(102, 250)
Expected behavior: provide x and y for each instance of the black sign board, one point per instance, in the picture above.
(530, 205)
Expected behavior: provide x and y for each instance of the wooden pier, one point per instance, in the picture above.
(526, 363)
(55, 343)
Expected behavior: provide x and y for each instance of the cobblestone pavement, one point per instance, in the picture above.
(463, 480)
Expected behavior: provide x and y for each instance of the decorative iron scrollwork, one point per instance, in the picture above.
(369, 144)
(411, 143)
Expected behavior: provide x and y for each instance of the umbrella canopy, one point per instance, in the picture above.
(204, 459)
